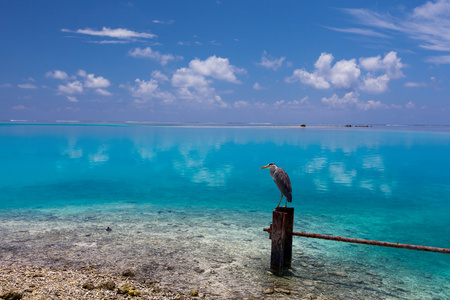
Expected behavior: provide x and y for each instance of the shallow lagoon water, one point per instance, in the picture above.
(187, 206)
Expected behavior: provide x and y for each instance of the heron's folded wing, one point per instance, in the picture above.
(283, 182)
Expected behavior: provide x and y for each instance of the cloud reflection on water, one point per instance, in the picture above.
(204, 155)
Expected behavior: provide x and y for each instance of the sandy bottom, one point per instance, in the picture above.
(222, 254)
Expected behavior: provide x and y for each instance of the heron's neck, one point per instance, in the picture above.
(272, 170)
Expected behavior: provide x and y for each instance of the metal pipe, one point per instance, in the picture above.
(368, 242)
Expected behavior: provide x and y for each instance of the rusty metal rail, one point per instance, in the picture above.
(367, 242)
(281, 232)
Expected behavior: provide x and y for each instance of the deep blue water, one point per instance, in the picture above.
(389, 185)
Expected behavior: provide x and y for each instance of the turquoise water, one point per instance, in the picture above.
(205, 183)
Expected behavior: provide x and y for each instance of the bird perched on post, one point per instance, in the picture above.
(282, 181)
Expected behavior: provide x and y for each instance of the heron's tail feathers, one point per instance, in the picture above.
(289, 198)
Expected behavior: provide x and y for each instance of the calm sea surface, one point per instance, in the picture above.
(194, 198)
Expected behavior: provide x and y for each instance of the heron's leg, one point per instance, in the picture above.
(280, 200)
(286, 203)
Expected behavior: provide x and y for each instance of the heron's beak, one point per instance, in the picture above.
(265, 167)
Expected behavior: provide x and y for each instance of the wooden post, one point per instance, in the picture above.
(281, 235)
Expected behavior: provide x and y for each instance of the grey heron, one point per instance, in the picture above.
(282, 181)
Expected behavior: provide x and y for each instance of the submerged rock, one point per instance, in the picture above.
(339, 273)
(268, 290)
(128, 273)
(194, 293)
(127, 289)
(108, 285)
(88, 286)
(12, 295)
(284, 291)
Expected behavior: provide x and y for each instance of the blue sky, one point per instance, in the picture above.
(311, 62)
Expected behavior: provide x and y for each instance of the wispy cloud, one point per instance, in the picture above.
(270, 62)
(360, 31)
(438, 60)
(118, 33)
(111, 42)
(163, 59)
(428, 23)
(28, 86)
(416, 84)
(163, 22)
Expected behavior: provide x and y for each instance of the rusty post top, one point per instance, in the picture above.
(284, 209)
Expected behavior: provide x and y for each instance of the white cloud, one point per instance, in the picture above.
(349, 100)
(28, 86)
(375, 85)
(71, 87)
(72, 99)
(18, 107)
(311, 79)
(323, 64)
(194, 82)
(90, 81)
(147, 90)
(371, 104)
(271, 62)
(391, 64)
(5, 85)
(216, 67)
(119, 33)
(240, 103)
(258, 87)
(82, 73)
(347, 75)
(157, 75)
(410, 105)
(186, 77)
(219, 102)
(144, 89)
(344, 74)
(294, 104)
(57, 74)
(147, 52)
(96, 82)
(103, 92)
